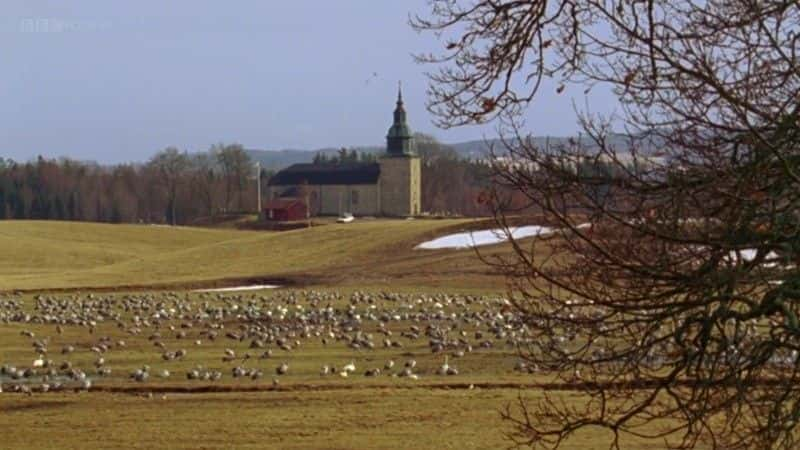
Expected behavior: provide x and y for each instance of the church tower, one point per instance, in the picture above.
(400, 140)
(400, 179)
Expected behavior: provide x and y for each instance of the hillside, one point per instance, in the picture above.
(69, 255)
(278, 159)
(478, 149)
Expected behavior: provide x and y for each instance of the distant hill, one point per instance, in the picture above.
(480, 149)
(278, 159)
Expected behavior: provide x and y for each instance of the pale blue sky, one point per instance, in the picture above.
(116, 81)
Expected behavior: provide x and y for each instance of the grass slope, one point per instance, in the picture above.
(62, 255)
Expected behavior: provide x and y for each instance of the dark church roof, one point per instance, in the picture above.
(346, 173)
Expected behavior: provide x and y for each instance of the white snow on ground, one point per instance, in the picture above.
(485, 237)
(254, 287)
(749, 254)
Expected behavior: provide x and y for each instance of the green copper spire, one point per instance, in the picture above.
(400, 139)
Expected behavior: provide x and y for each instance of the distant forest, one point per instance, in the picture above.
(176, 187)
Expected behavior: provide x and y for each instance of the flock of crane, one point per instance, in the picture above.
(79, 342)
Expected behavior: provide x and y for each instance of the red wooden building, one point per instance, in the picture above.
(284, 209)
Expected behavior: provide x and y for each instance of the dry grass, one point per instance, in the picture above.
(63, 255)
(305, 411)
(355, 419)
(364, 419)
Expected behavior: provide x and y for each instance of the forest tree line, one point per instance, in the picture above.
(177, 187)
(173, 187)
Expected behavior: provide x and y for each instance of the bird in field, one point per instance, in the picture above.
(282, 369)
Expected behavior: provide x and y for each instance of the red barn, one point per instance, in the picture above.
(284, 209)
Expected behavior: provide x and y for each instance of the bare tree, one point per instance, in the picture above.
(171, 165)
(670, 291)
(204, 180)
(236, 167)
(442, 168)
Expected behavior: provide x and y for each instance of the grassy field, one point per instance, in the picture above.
(305, 410)
(122, 264)
(355, 419)
(62, 255)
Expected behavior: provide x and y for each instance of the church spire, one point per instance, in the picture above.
(400, 93)
(400, 110)
(400, 140)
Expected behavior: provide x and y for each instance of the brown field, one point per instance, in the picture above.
(304, 409)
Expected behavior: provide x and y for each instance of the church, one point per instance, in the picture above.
(390, 187)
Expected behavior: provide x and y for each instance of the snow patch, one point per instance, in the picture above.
(749, 254)
(485, 237)
(254, 287)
